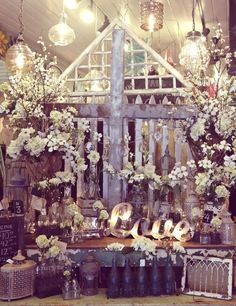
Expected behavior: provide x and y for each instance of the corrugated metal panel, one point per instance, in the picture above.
(4, 73)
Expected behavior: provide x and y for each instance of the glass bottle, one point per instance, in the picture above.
(169, 278)
(155, 279)
(127, 281)
(142, 279)
(113, 281)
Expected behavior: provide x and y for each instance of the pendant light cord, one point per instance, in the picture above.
(193, 15)
(20, 18)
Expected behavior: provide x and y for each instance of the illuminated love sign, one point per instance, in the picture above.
(121, 216)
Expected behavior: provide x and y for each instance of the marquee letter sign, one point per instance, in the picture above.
(121, 218)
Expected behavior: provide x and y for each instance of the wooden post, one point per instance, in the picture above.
(116, 124)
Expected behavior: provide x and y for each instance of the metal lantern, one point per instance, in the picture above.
(17, 190)
(152, 13)
(89, 274)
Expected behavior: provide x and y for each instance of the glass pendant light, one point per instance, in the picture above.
(61, 34)
(194, 56)
(71, 4)
(19, 57)
(87, 15)
(152, 13)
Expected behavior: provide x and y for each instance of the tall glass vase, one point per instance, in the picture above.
(138, 198)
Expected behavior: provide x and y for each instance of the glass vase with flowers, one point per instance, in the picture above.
(215, 230)
(72, 222)
(196, 221)
(50, 268)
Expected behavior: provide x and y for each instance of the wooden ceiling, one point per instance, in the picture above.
(39, 16)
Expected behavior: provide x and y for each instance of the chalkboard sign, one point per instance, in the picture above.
(207, 216)
(11, 237)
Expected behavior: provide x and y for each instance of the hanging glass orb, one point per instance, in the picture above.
(61, 34)
(152, 13)
(194, 55)
(19, 57)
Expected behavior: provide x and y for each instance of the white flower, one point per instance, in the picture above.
(230, 161)
(36, 145)
(137, 178)
(103, 215)
(205, 163)
(42, 241)
(145, 245)
(179, 249)
(72, 209)
(115, 246)
(196, 212)
(80, 165)
(221, 191)
(98, 205)
(97, 136)
(216, 222)
(83, 124)
(56, 115)
(109, 168)
(201, 181)
(78, 218)
(43, 184)
(223, 145)
(54, 251)
(14, 149)
(94, 157)
(198, 129)
(55, 181)
(65, 176)
(149, 170)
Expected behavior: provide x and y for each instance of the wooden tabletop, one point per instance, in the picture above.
(103, 242)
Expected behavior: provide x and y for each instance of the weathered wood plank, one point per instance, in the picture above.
(116, 122)
(141, 111)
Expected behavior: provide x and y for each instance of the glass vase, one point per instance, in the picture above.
(138, 198)
(215, 237)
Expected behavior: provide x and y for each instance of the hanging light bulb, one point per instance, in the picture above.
(19, 57)
(194, 56)
(71, 4)
(151, 22)
(87, 15)
(61, 34)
